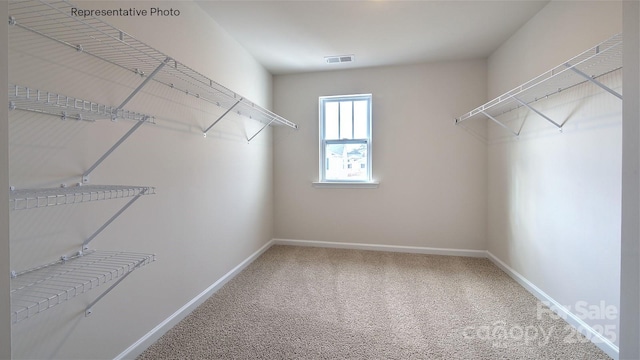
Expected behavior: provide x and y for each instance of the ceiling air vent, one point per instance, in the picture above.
(338, 59)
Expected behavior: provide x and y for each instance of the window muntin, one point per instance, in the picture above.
(345, 138)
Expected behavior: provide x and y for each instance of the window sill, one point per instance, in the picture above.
(346, 185)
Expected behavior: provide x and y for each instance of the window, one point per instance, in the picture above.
(345, 138)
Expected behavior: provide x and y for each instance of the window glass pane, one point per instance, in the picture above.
(346, 162)
(346, 124)
(331, 120)
(360, 119)
(345, 138)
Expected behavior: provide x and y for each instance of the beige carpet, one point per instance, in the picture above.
(317, 303)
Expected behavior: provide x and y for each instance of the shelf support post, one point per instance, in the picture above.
(594, 81)
(538, 112)
(143, 84)
(259, 131)
(89, 308)
(125, 207)
(220, 118)
(499, 123)
(85, 176)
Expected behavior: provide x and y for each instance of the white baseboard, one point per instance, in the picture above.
(152, 336)
(598, 339)
(603, 343)
(377, 247)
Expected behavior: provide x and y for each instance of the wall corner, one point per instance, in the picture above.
(5, 298)
(630, 242)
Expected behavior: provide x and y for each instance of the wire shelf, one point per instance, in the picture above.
(41, 288)
(600, 60)
(23, 199)
(65, 107)
(54, 21)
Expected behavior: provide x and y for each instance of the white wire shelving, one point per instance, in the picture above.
(24, 199)
(38, 198)
(54, 21)
(42, 287)
(586, 67)
(38, 289)
(65, 107)
(42, 23)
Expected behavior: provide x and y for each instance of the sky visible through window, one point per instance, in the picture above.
(346, 120)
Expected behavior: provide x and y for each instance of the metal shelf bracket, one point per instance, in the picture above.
(144, 83)
(85, 176)
(502, 124)
(537, 112)
(113, 46)
(115, 216)
(594, 81)
(40, 288)
(221, 116)
(259, 131)
(89, 310)
(588, 66)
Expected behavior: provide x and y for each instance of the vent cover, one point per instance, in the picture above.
(339, 59)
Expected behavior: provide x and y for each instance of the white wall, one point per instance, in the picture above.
(432, 173)
(555, 198)
(5, 324)
(630, 277)
(214, 199)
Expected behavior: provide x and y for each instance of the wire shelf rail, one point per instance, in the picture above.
(40, 22)
(54, 21)
(65, 107)
(38, 289)
(588, 66)
(24, 199)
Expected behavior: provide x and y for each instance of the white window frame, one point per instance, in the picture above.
(323, 142)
